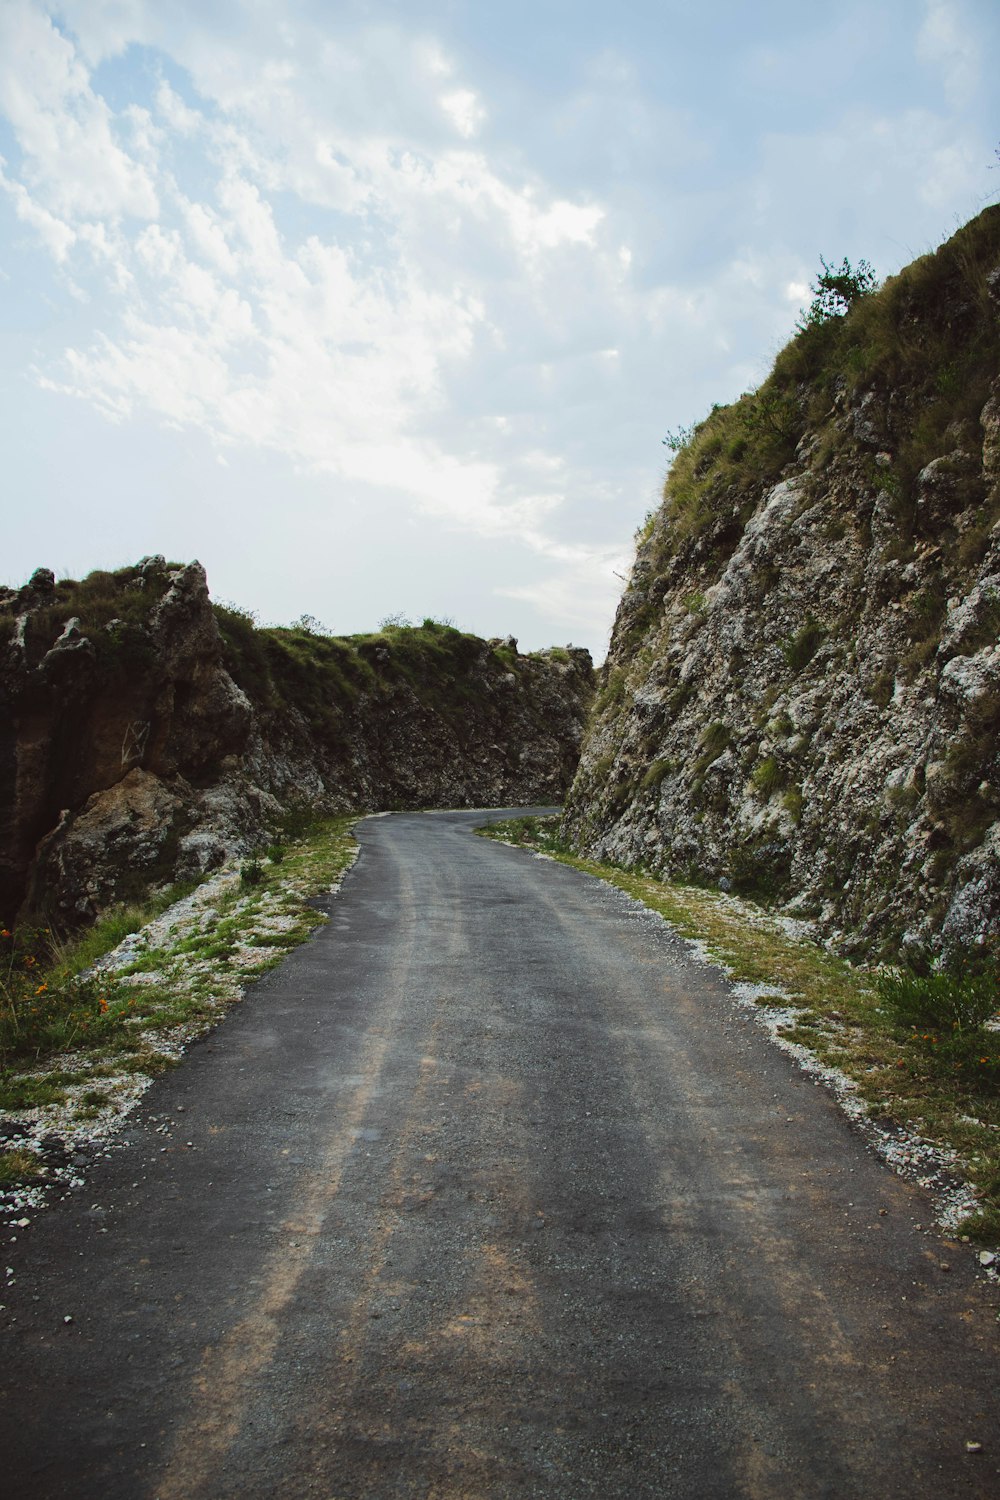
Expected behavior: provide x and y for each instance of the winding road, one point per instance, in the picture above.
(492, 1190)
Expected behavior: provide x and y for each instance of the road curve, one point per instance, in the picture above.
(490, 1190)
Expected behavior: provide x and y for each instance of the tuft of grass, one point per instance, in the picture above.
(541, 834)
(793, 803)
(27, 1092)
(767, 778)
(18, 1165)
(47, 1006)
(800, 648)
(656, 773)
(983, 1225)
(714, 741)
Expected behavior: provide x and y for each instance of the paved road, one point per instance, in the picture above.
(492, 1192)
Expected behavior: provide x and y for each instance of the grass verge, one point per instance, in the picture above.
(942, 1083)
(84, 1024)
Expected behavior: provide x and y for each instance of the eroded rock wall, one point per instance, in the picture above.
(802, 698)
(139, 743)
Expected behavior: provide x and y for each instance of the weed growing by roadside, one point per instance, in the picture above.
(45, 1006)
(536, 833)
(17, 1166)
(941, 1020)
(945, 999)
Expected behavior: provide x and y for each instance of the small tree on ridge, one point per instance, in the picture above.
(836, 289)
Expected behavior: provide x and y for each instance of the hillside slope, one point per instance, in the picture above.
(145, 733)
(802, 696)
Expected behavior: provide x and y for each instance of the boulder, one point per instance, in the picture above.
(121, 842)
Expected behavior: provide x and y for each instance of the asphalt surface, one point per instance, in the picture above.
(490, 1190)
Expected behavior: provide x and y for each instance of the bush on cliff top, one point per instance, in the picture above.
(931, 331)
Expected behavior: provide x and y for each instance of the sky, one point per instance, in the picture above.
(384, 309)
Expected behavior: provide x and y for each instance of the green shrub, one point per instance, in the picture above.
(714, 738)
(945, 999)
(760, 866)
(881, 688)
(251, 872)
(837, 289)
(612, 692)
(793, 803)
(927, 610)
(538, 833)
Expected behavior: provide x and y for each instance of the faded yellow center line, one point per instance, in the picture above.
(466, 1332)
(229, 1369)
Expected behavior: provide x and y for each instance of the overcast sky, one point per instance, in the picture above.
(384, 308)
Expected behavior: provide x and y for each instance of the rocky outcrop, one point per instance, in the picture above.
(146, 734)
(142, 686)
(802, 697)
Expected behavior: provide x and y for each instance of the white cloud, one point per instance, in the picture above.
(948, 41)
(208, 237)
(464, 111)
(56, 236)
(104, 28)
(432, 59)
(950, 167)
(587, 583)
(304, 346)
(64, 129)
(175, 113)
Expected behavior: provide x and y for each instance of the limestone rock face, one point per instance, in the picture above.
(802, 698)
(139, 743)
(130, 827)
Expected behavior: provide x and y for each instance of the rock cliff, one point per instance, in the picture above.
(145, 733)
(802, 696)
